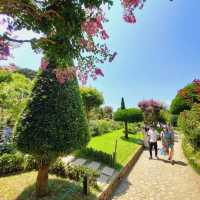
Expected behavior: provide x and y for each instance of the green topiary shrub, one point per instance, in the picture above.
(52, 123)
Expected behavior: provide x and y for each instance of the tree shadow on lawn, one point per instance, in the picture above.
(58, 190)
(133, 140)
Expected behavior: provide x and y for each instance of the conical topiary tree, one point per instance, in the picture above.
(53, 123)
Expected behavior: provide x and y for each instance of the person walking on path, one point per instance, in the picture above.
(167, 137)
(152, 133)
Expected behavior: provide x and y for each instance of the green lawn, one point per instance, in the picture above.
(125, 148)
(21, 187)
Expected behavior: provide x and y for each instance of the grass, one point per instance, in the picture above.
(125, 148)
(22, 187)
(192, 155)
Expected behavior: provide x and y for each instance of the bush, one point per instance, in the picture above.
(174, 120)
(100, 127)
(191, 154)
(76, 173)
(97, 155)
(8, 148)
(134, 128)
(10, 163)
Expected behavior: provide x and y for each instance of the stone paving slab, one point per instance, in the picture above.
(108, 171)
(94, 165)
(103, 179)
(79, 161)
(68, 159)
(160, 180)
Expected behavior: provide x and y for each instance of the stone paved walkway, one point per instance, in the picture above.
(159, 180)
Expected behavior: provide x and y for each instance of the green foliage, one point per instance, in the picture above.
(100, 127)
(174, 120)
(193, 155)
(128, 115)
(97, 155)
(92, 98)
(14, 161)
(76, 173)
(178, 105)
(7, 148)
(29, 73)
(53, 121)
(189, 122)
(11, 163)
(15, 89)
(135, 128)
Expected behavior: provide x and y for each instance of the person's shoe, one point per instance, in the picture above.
(157, 157)
(150, 158)
(172, 162)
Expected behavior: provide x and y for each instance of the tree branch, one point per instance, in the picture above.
(15, 40)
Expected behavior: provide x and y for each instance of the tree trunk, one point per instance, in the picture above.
(42, 180)
(126, 129)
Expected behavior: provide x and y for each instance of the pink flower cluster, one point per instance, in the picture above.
(129, 7)
(93, 72)
(150, 104)
(196, 81)
(64, 74)
(93, 25)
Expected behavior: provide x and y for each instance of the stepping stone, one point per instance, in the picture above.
(108, 171)
(94, 165)
(79, 161)
(68, 159)
(103, 179)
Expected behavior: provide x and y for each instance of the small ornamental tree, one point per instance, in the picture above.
(92, 98)
(128, 115)
(151, 110)
(53, 123)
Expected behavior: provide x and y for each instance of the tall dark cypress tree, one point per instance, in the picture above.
(53, 123)
(123, 107)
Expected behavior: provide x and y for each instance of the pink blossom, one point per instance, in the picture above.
(104, 35)
(98, 72)
(64, 74)
(130, 18)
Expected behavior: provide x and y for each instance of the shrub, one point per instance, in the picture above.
(134, 127)
(10, 163)
(7, 148)
(76, 173)
(100, 127)
(174, 120)
(97, 155)
(189, 122)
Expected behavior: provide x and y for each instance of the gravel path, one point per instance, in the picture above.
(160, 180)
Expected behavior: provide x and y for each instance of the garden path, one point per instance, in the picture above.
(159, 179)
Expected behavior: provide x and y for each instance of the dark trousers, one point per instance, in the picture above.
(151, 146)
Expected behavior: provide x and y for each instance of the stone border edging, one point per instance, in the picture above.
(107, 192)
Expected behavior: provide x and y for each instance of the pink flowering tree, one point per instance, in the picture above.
(151, 110)
(69, 33)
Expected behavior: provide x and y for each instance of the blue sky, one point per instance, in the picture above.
(156, 56)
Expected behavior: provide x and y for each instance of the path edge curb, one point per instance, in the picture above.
(107, 192)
